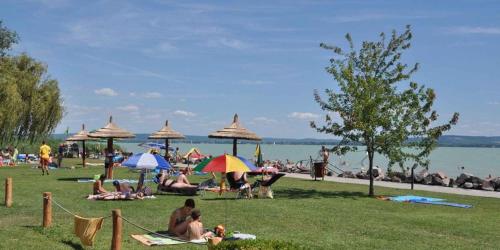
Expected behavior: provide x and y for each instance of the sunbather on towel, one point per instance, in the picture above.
(195, 230)
(98, 185)
(180, 182)
(179, 220)
(116, 196)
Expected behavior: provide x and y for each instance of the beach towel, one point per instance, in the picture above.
(412, 198)
(444, 204)
(427, 200)
(154, 240)
(86, 229)
(150, 240)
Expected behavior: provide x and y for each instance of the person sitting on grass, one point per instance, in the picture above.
(195, 230)
(179, 220)
(99, 185)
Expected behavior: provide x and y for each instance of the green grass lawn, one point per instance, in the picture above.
(318, 214)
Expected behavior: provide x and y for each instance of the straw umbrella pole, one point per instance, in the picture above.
(236, 132)
(166, 133)
(110, 132)
(82, 136)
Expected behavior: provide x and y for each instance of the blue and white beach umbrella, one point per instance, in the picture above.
(147, 161)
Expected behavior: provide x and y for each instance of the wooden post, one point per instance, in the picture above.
(166, 150)
(111, 154)
(47, 209)
(83, 155)
(235, 149)
(116, 241)
(8, 192)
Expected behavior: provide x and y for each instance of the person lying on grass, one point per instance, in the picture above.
(195, 229)
(180, 182)
(179, 219)
(116, 196)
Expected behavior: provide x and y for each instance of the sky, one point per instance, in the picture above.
(197, 63)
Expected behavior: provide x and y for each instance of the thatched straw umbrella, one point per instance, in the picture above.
(166, 133)
(82, 136)
(235, 131)
(111, 131)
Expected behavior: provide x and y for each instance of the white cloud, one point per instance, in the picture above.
(494, 103)
(129, 108)
(133, 94)
(475, 30)
(184, 113)
(106, 92)
(152, 95)
(303, 115)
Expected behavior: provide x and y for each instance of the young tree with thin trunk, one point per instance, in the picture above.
(374, 107)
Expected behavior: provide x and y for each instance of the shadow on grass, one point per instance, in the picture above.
(74, 178)
(298, 193)
(72, 244)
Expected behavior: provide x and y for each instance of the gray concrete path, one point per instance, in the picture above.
(437, 189)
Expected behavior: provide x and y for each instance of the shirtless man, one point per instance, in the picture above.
(179, 220)
(195, 229)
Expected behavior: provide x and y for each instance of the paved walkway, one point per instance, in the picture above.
(437, 189)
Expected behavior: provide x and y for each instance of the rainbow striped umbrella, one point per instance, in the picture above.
(225, 164)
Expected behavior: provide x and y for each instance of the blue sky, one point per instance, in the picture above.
(196, 63)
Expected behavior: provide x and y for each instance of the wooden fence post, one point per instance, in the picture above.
(116, 241)
(8, 192)
(47, 209)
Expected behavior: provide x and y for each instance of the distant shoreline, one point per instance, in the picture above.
(444, 141)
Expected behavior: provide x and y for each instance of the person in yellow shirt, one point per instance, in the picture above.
(44, 157)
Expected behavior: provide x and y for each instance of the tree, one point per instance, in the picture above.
(7, 39)
(374, 109)
(31, 101)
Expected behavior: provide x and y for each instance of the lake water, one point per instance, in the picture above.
(478, 161)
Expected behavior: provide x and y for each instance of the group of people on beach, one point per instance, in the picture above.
(185, 222)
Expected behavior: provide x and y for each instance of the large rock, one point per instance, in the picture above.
(446, 182)
(463, 178)
(376, 172)
(487, 185)
(395, 179)
(476, 180)
(362, 175)
(386, 178)
(452, 182)
(496, 182)
(419, 177)
(347, 174)
(436, 180)
(441, 175)
(427, 180)
(468, 185)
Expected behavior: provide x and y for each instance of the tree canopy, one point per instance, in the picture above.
(374, 106)
(31, 100)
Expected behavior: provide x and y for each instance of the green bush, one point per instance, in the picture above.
(257, 245)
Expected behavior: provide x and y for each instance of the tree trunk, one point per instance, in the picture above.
(370, 172)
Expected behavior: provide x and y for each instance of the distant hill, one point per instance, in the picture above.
(444, 141)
